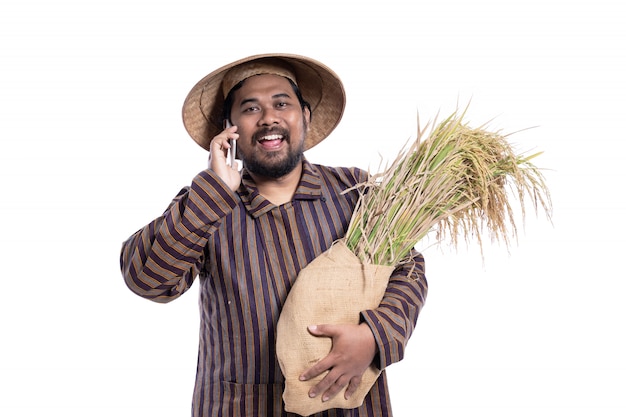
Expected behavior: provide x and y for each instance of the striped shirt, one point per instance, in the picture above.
(247, 253)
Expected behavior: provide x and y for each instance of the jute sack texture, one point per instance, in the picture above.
(333, 289)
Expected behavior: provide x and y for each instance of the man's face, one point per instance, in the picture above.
(271, 125)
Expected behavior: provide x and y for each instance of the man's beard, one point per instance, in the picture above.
(273, 165)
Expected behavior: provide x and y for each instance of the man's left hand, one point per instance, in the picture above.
(353, 350)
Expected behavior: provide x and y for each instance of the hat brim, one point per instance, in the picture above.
(319, 85)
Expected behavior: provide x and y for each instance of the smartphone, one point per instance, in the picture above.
(232, 152)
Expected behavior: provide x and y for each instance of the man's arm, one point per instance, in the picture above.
(394, 320)
(380, 338)
(160, 261)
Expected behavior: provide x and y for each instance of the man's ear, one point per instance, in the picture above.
(306, 115)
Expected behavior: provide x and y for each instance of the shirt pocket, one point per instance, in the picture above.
(252, 399)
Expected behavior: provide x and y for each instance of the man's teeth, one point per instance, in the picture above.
(272, 137)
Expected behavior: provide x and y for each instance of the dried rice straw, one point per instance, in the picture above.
(455, 182)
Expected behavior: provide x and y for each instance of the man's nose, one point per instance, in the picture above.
(269, 117)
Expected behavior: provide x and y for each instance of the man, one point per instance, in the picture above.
(248, 233)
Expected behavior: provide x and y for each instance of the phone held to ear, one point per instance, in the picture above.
(232, 152)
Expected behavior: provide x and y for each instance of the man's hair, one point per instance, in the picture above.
(228, 101)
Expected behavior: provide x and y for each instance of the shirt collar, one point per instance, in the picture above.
(309, 188)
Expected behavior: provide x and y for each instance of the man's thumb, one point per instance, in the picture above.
(317, 330)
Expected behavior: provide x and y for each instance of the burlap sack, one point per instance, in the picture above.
(333, 289)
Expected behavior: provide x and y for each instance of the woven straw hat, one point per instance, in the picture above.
(319, 85)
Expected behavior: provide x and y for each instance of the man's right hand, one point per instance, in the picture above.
(217, 158)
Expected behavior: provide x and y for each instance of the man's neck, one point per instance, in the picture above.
(279, 190)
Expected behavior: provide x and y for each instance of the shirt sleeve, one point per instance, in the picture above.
(394, 320)
(160, 261)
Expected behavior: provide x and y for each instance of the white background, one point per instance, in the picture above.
(93, 147)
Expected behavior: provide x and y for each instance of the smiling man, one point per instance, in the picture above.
(245, 234)
(270, 123)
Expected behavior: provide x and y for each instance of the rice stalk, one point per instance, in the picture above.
(455, 181)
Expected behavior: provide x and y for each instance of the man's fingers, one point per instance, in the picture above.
(335, 388)
(353, 349)
(217, 158)
(220, 145)
(219, 148)
(352, 386)
(330, 385)
(316, 370)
